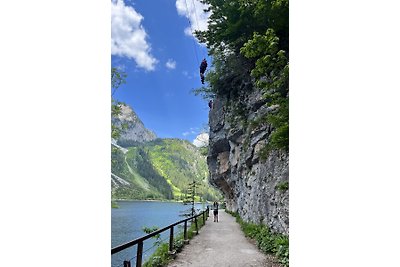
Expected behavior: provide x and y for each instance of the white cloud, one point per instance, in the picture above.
(128, 37)
(121, 67)
(171, 64)
(192, 131)
(194, 11)
(201, 140)
(186, 74)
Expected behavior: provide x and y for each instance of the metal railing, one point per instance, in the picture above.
(139, 241)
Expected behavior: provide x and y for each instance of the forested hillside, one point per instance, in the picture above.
(160, 169)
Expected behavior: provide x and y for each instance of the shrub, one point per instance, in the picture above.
(161, 256)
(283, 186)
(178, 245)
(267, 242)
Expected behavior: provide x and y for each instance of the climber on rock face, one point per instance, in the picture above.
(203, 67)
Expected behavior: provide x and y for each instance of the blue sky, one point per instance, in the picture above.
(151, 42)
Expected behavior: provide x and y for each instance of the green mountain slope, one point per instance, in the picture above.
(134, 185)
(161, 169)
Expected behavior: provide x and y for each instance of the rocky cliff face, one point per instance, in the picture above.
(135, 130)
(251, 185)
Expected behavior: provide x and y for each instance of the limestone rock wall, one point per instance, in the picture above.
(248, 183)
(134, 130)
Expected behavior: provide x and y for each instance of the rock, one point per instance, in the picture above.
(135, 130)
(248, 183)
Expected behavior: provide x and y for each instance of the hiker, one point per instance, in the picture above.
(215, 208)
(203, 67)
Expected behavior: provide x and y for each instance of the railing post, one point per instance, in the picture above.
(185, 231)
(171, 239)
(204, 220)
(139, 254)
(197, 229)
(139, 241)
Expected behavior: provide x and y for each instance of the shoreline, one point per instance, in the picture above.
(155, 200)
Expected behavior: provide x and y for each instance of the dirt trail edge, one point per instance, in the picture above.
(221, 244)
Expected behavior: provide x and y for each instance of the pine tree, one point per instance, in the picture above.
(189, 199)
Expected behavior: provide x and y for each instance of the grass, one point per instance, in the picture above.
(267, 242)
(175, 190)
(161, 256)
(283, 186)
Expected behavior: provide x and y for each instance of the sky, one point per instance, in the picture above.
(152, 42)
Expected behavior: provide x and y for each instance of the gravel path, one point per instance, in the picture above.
(221, 244)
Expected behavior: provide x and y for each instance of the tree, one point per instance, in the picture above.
(190, 198)
(117, 79)
(249, 43)
(233, 22)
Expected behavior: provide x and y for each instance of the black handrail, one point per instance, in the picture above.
(139, 241)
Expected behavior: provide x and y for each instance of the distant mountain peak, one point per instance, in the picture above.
(135, 131)
(127, 114)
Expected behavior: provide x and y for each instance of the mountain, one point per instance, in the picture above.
(160, 169)
(134, 130)
(132, 183)
(144, 167)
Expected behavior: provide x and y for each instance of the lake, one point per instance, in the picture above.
(129, 219)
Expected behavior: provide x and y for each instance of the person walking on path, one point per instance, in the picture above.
(215, 211)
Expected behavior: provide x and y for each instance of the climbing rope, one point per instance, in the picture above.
(195, 15)
(191, 29)
(197, 23)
